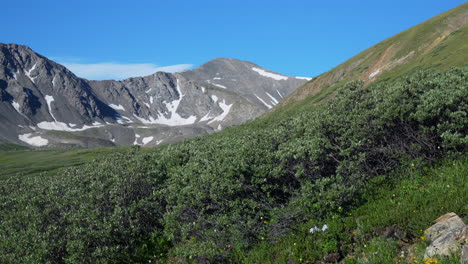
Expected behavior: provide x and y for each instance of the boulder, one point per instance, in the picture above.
(446, 236)
(462, 238)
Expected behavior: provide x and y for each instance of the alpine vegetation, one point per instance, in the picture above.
(214, 199)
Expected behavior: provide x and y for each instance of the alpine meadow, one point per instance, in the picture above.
(353, 166)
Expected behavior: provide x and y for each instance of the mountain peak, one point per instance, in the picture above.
(38, 96)
(17, 47)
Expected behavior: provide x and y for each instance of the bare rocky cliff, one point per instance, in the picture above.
(43, 104)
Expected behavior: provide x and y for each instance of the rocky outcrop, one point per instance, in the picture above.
(43, 104)
(448, 236)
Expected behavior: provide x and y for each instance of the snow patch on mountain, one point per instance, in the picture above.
(219, 85)
(261, 100)
(136, 139)
(269, 74)
(274, 101)
(49, 99)
(174, 118)
(36, 141)
(280, 94)
(117, 107)
(206, 117)
(28, 73)
(147, 140)
(16, 106)
(60, 126)
(123, 119)
(226, 108)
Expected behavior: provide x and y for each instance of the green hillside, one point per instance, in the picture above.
(219, 198)
(438, 43)
(19, 161)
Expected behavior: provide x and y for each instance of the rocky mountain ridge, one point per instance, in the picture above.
(43, 104)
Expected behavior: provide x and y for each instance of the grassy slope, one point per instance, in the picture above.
(30, 162)
(411, 203)
(440, 42)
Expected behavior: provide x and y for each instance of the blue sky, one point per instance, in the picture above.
(117, 39)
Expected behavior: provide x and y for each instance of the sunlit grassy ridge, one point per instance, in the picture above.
(211, 198)
(438, 43)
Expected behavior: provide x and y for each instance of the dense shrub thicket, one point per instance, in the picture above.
(209, 198)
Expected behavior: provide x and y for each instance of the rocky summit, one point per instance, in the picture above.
(43, 104)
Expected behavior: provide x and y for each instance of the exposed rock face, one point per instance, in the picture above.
(447, 236)
(39, 96)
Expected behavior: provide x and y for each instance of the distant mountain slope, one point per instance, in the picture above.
(44, 104)
(440, 42)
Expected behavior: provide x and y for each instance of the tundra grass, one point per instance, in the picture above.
(32, 162)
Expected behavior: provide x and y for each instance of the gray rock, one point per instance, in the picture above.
(464, 254)
(444, 236)
(462, 238)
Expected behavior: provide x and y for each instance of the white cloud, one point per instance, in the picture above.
(119, 71)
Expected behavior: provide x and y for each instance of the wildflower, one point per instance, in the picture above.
(265, 222)
(316, 229)
(294, 244)
(422, 238)
(228, 246)
(427, 231)
(313, 230)
(429, 260)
